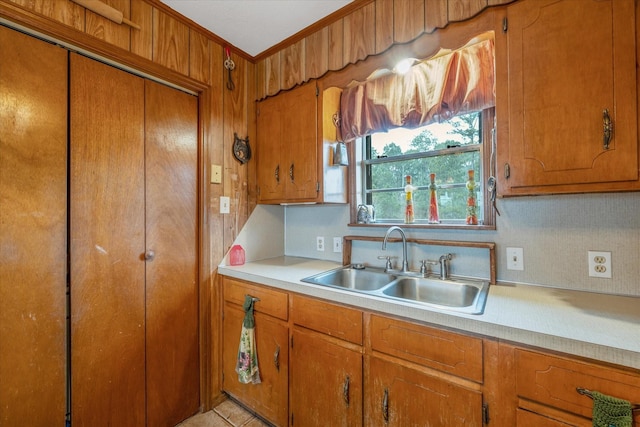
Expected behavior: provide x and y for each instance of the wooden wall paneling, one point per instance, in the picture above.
(261, 86)
(292, 65)
(359, 34)
(170, 42)
(336, 46)
(234, 177)
(142, 39)
(459, 10)
(215, 147)
(435, 15)
(65, 12)
(107, 30)
(316, 54)
(171, 193)
(107, 245)
(272, 74)
(408, 18)
(384, 25)
(252, 170)
(199, 57)
(33, 231)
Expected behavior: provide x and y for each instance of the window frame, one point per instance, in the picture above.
(487, 161)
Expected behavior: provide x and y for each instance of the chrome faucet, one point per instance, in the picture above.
(405, 261)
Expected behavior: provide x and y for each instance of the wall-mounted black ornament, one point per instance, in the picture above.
(241, 148)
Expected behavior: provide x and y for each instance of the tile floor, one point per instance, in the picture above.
(226, 414)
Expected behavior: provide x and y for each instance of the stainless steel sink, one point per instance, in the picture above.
(456, 294)
(467, 295)
(366, 279)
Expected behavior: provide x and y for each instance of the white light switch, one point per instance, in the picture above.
(515, 259)
(224, 205)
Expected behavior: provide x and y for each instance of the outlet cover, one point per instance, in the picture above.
(515, 259)
(600, 264)
(320, 243)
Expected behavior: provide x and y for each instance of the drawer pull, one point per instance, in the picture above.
(276, 358)
(588, 393)
(345, 390)
(385, 405)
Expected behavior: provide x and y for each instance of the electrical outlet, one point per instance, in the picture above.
(515, 259)
(600, 264)
(337, 244)
(320, 243)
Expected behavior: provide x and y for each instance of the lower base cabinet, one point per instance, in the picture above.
(402, 396)
(326, 364)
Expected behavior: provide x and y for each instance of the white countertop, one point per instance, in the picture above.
(597, 326)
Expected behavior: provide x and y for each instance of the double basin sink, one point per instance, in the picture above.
(460, 295)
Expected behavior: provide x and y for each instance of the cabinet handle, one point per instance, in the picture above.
(607, 128)
(385, 405)
(149, 255)
(291, 172)
(277, 174)
(345, 390)
(276, 358)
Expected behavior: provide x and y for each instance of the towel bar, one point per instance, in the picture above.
(586, 392)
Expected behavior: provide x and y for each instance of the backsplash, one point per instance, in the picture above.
(555, 233)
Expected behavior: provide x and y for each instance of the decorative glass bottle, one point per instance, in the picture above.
(472, 217)
(408, 211)
(434, 217)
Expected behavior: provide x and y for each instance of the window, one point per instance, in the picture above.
(448, 149)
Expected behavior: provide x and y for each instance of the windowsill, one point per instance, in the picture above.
(425, 226)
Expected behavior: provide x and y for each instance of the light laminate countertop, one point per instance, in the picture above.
(597, 326)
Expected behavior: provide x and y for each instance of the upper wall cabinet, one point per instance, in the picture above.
(294, 150)
(567, 122)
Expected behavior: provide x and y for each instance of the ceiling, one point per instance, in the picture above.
(254, 26)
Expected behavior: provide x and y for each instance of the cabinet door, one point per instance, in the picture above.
(269, 398)
(107, 245)
(300, 150)
(171, 285)
(568, 61)
(401, 396)
(271, 174)
(33, 230)
(326, 381)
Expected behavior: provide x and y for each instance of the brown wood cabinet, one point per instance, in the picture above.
(546, 387)
(422, 391)
(269, 398)
(350, 367)
(296, 138)
(326, 372)
(571, 69)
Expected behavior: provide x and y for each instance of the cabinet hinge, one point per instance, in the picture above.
(291, 342)
(317, 91)
(505, 24)
(507, 171)
(292, 418)
(485, 414)
(317, 186)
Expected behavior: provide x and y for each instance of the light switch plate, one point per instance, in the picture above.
(515, 259)
(216, 174)
(224, 205)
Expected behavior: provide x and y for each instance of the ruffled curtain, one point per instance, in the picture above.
(433, 90)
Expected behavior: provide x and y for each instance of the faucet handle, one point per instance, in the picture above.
(424, 263)
(388, 265)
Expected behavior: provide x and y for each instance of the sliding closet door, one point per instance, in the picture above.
(171, 134)
(33, 227)
(107, 245)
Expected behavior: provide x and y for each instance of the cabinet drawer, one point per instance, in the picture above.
(445, 351)
(271, 301)
(552, 381)
(331, 319)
